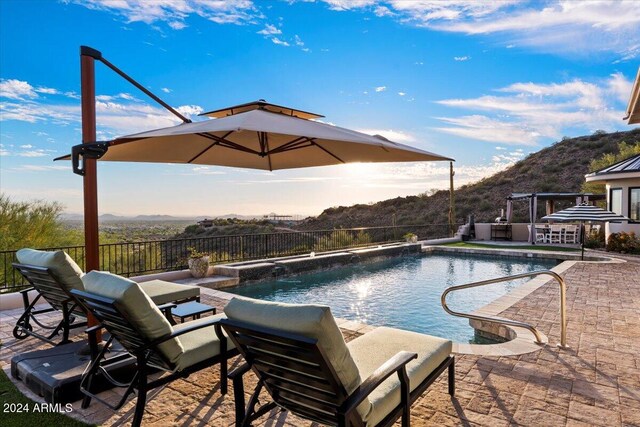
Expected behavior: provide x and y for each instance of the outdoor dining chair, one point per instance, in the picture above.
(555, 233)
(302, 361)
(131, 318)
(570, 233)
(53, 274)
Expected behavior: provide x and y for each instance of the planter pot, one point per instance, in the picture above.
(199, 266)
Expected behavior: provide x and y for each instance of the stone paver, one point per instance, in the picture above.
(595, 382)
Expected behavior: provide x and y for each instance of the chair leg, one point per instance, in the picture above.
(142, 393)
(238, 397)
(452, 376)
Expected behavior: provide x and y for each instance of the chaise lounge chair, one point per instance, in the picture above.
(54, 274)
(129, 315)
(301, 359)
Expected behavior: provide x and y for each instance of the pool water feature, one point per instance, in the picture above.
(402, 292)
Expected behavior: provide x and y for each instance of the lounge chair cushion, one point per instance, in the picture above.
(162, 292)
(200, 344)
(135, 304)
(60, 263)
(313, 321)
(374, 348)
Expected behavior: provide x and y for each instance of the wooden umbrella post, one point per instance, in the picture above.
(90, 185)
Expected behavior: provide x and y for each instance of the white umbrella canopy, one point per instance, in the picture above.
(260, 138)
(584, 212)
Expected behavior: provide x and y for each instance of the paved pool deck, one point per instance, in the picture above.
(595, 382)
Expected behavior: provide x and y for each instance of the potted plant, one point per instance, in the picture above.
(198, 263)
(411, 238)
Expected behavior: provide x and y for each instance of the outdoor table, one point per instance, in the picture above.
(191, 309)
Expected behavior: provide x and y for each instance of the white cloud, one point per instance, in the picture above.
(556, 26)
(298, 41)
(127, 116)
(380, 88)
(26, 146)
(349, 4)
(270, 30)
(381, 11)
(526, 112)
(402, 93)
(16, 89)
(166, 90)
(393, 135)
(190, 110)
(461, 58)
(32, 153)
(175, 12)
(280, 42)
(41, 168)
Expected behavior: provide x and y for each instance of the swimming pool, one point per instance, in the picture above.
(401, 292)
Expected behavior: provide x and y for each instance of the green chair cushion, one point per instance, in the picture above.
(63, 267)
(136, 305)
(200, 344)
(313, 321)
(374, 348)
(162, 292)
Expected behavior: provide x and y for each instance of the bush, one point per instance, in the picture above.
(626, 243)
(32, 224)
(595, 240)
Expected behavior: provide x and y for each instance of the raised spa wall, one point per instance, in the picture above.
(268, 269)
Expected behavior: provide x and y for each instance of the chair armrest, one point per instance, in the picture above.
(24, 291)
(240, 371)
(391, 366)
(175, 334)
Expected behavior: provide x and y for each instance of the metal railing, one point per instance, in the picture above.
(538, 335)
(147, 257)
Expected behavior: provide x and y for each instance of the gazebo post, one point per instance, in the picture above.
(90, 184)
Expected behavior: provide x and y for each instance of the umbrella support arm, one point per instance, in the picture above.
(81, 152)
(96, 54)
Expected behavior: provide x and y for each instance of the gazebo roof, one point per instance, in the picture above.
(633, 109)
(630, 167)
(556, 196)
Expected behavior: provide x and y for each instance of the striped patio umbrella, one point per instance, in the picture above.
(584, 212)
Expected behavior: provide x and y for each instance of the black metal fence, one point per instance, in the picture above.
(137, 258)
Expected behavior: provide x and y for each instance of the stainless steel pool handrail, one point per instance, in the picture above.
(563, 303)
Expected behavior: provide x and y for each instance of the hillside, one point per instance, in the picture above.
(558, 168)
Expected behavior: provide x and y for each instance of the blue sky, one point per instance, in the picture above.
(483, 82)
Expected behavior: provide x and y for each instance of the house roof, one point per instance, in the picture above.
(627, 168)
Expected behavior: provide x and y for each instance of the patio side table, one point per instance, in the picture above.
(192, 309)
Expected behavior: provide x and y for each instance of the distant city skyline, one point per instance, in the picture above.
(483, 82)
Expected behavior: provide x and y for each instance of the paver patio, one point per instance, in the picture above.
(595, 382)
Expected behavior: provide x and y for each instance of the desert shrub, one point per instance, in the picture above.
(626, 243)
(342, 239)
(33, 224)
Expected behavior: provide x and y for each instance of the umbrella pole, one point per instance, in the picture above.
(582, 239)
(90, 185)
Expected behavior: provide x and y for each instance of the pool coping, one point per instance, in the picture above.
(520, 340)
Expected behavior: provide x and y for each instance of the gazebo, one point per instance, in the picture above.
(549, 199)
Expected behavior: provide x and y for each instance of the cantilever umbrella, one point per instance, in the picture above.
(256, 135)
(584, 212)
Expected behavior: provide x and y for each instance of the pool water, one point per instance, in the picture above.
(401, 292)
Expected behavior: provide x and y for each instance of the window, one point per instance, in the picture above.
(634, 203)
(615, 200)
